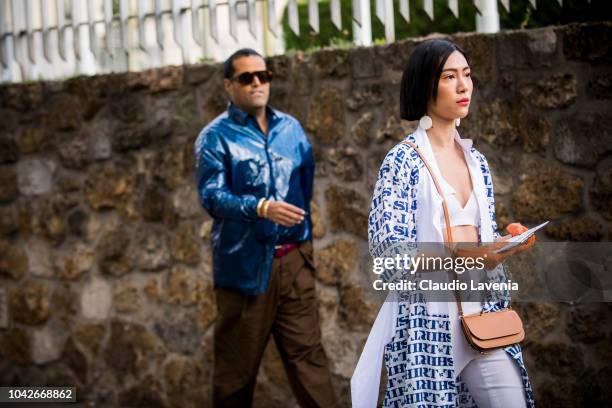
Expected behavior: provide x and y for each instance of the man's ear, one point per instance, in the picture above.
(227, 84)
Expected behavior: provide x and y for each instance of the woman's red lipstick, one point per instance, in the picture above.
(463, 101)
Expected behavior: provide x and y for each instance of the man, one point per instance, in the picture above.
(254, 177)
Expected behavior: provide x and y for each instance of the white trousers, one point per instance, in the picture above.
(494, 381)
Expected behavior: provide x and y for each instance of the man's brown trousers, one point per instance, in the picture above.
(289, 311)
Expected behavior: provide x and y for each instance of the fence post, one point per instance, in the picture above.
(362, 23)
(85, 63)
(389, 21)
(3, 35)
(488, 19)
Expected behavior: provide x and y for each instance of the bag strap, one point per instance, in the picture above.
(448, 237)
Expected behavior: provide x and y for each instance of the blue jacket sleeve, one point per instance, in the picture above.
(211, 174)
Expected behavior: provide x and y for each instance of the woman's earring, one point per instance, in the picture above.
(457, 122)
(425, 122)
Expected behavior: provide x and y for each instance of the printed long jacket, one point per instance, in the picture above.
(414, 337)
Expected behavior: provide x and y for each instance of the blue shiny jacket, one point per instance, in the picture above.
(236, 165)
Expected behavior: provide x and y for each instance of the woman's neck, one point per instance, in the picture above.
(441, 134)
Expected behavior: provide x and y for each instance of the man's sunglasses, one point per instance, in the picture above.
(246, 78)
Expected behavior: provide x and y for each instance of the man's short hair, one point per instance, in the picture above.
(420, 77)
(228, 66)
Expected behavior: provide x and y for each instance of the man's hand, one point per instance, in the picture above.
(284, 213)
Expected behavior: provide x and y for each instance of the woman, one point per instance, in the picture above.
(428, 360)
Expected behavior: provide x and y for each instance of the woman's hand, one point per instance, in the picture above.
(487, 253)
(517, 228)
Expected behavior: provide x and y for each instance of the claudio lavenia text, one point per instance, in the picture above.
(431, 285)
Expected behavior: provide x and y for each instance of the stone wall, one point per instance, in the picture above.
(105, 277)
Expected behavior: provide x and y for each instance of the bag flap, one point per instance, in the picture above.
(494, 325)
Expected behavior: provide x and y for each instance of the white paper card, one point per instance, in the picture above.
(520, 239)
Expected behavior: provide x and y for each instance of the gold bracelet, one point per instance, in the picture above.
(264, 209)
(259, 204)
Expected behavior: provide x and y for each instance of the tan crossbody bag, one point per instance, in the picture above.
(484, 331)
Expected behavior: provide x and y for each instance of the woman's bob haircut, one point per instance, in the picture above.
(421, 75)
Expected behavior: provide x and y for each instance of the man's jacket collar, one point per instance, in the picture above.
(241, 116)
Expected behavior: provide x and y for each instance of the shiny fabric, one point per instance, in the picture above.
(236, 165)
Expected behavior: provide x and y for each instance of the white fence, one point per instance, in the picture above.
(58, 38)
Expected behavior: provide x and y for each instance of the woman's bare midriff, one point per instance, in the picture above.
(464, 233)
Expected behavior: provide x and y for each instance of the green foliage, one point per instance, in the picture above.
(204, 60)
(549, 12)
(521, 15)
